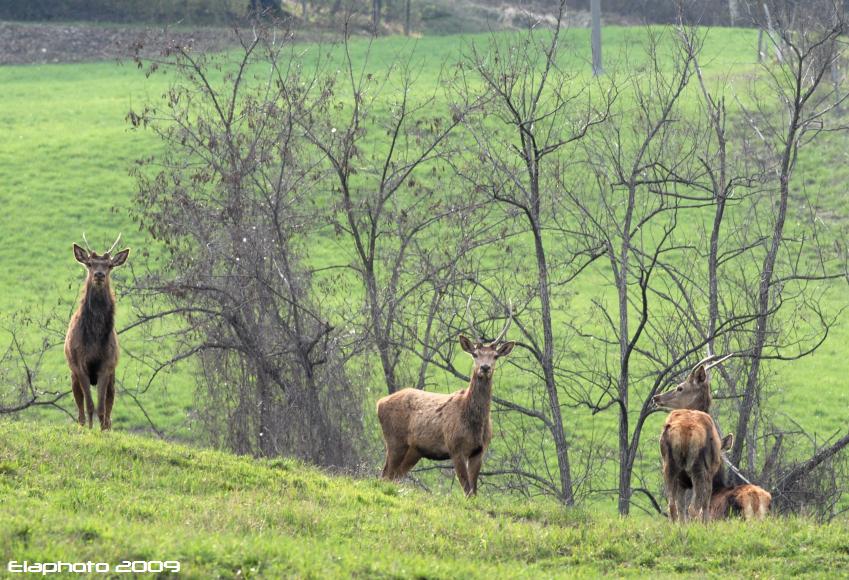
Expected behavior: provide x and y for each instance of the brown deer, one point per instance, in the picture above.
(750, 501)
(91, 345)
(690, 445)
(420, 424)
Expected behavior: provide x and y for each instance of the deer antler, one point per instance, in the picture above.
(87, 246)
(719, 360)
(117, 240)
(471, 322)
(711, 361)
(503, 332)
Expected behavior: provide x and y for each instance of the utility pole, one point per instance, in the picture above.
(595, 9)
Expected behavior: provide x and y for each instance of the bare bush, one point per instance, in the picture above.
(231, 199)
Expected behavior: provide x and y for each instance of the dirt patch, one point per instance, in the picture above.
(55, 43)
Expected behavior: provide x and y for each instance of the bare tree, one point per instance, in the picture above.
(21, 364)
(652, 169)
(803, 103)
(229, 199)
(522, 137)
(640, 166)
(390, 202)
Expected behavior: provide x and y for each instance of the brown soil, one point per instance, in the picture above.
(53, 43)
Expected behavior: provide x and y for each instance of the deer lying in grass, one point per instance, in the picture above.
(91, 345)
(750, 501)
(694, 395)
(690, 445)
(420, 424)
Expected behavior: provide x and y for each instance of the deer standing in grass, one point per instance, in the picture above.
(91, 345)
(690, 445)
(437, 426)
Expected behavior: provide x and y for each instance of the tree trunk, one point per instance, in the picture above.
(375, 16)
(624, 346)
(558, 434)
(407, 17)
(595, 9)
(733, 14)
(264, 428)
(384, 348)
(751, 390)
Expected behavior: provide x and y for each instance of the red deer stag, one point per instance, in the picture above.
(91, 345)
(420, 424)
(690, 445)
(750, 501)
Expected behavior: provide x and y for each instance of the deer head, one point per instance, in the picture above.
(694, 392)
(100, 266)
(486, 353)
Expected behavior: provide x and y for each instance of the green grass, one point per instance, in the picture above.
(64, 170)
(68, 494)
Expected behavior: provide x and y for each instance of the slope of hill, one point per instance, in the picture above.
(74, 495)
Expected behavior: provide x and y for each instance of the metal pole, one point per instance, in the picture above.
(595, 9)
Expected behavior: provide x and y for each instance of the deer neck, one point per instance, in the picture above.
(97, 312)
(478, 399)
(703, 402)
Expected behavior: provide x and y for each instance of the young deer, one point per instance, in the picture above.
(91, 345)
(751, 501)
(420, 424)
(690, 446)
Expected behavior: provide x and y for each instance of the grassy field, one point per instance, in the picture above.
(64, 170)
(70, 495)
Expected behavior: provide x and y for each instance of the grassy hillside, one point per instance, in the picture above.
(72, 495)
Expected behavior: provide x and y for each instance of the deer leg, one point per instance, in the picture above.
(102, 387)
(79, 399)
(475, 462)
(410, 459)
(461, 467)
(672, 497)
(394, 457)
(672, 486)
(700, 503)
(682, 503)
(85, 387)
(106, 413)
(677, 496)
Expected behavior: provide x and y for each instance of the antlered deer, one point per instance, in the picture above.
(750, 500)
(420, 424)
(91, 345)
(690, 445)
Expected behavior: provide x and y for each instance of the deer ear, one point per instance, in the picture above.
(505, 348)
(700, 374)
(80, 255)
(727, 442)
(120, 258)
(467, 345)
